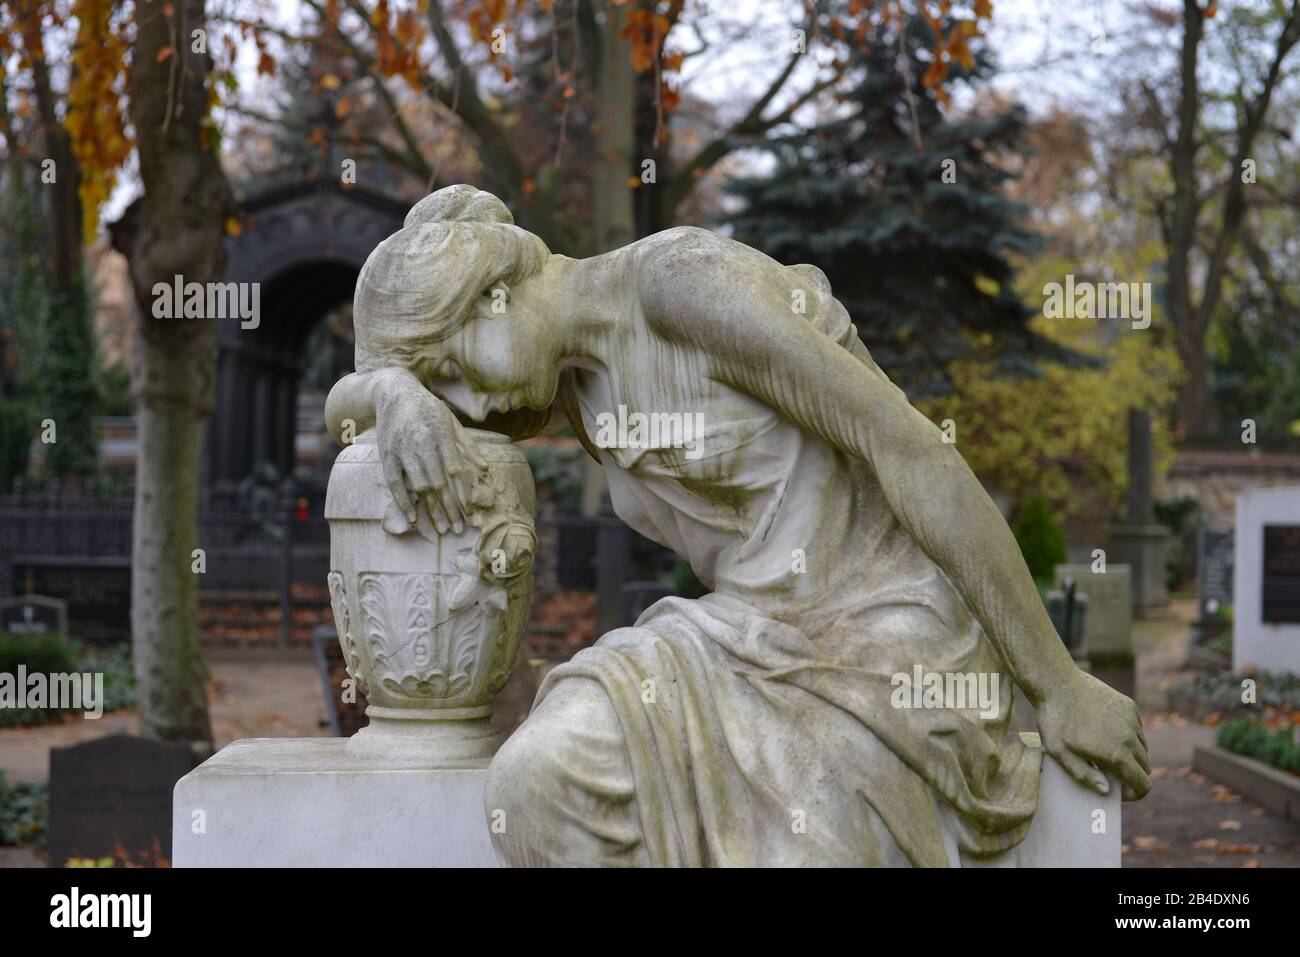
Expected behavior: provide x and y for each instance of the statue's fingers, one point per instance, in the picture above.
(1136, 782)
(394, 478)
(461, 484)
(452, 498)
(436, 512)
(458, 519)
(426, 490)
(1142, 758)
(452, 505)
(431, 462)
(1083, 772)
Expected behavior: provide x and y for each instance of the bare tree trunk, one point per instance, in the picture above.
(1192, 406)
(176, 228)
(1181, 219)
(615, 127)
(615, 134)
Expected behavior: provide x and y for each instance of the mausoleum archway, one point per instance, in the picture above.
(304, 246)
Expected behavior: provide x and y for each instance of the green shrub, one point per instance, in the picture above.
(44, 653)
(24, 812)
(557, 472)
(1246, 736)
(16, 435)
(57, 654)
(1179, 516)
(119, 673)
(1039, 537)
(1215, 689)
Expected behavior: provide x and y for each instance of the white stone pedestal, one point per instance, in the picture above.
(308, 802)
(1066, 828)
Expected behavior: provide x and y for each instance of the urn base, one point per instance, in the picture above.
(434, 741)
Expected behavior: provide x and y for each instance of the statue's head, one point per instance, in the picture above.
(436, 298)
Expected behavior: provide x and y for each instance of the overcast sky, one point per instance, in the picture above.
(1048, 51)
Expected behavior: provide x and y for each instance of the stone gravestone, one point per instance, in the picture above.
(33, 615)
(1108, 627)
(1266, 581)
(113, 796)
(97, 592)
(1213, 570)
(1141, 542)
(1069, 614)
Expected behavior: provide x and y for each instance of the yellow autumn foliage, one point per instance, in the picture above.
(96, 117)
(1027, 436)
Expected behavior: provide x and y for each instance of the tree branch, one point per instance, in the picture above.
(417, 163)
(1234, 205)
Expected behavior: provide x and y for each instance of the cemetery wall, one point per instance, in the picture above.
(1216, 478)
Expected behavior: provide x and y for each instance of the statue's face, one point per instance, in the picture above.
(503, 358)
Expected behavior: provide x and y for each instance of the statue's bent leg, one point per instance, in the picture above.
(560, 791)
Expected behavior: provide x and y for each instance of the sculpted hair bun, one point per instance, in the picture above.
(458, 204)
(420, 284)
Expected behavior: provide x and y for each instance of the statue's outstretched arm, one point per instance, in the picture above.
(741, 317)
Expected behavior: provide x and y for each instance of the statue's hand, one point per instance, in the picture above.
(424, 460)
(1087, 725)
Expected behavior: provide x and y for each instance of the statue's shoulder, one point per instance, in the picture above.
(680, 273)
(687, 262)
(682, 248)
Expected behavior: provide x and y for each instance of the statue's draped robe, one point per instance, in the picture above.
(756, 725)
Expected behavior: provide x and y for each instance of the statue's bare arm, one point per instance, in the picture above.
(424, 459)
(352, 400)
(735, 306)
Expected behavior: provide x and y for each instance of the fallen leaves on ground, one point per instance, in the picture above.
(1224, 795)
(1147, 843)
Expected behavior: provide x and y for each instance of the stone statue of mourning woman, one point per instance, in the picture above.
(844, 543)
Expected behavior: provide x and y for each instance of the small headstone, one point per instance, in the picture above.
(33, 615)
(1110, 607)
(97, 592)
(1069, 613)
(1108, 628)
(112, 797)
(1213, 570)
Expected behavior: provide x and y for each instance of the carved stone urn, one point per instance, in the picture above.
(430, 623)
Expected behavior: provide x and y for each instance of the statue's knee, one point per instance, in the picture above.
(540, 777)
(516, 777)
